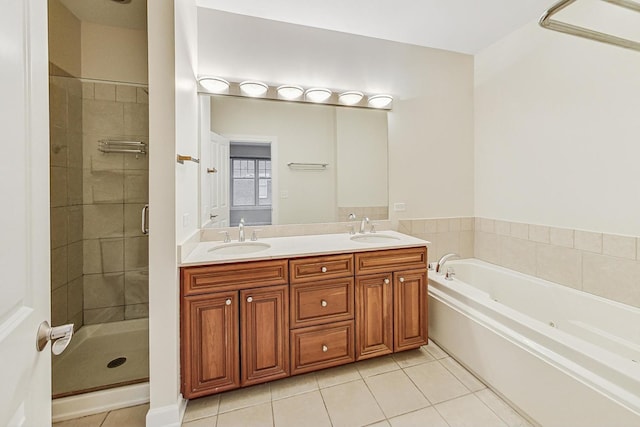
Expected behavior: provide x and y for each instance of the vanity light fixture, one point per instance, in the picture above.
(290, 91)
(253, 88)
(351, 97)
(214, 84)
(317, 94)
(380, 101)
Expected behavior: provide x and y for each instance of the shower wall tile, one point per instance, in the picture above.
(133, 219)
(612, 278)
(136, 119)
(74, 182)
(77, 321)
(59, 230)
(142, 97)
(106, 220)
(136, 287)
(74, 261)
(57, 103)
(59, 306)
(88, 90)
(74, 112)
(588, 241)
(58, 147)
(126, 93)
(75, 223)
(103, 256)
(619, 246)
(103, 186)
(136, 253)
(103, 315)
(136, 186)
(105, 92)
(74, 149)
(58, 193)
(75, 297)
(103, 290)
(58, 267)
(136, 311)
(102, 117)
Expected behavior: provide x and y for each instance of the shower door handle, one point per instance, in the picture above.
(145, 219)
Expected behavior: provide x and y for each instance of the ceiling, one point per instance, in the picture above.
(465, 26)
(132, 15)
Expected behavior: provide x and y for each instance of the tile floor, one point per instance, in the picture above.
(423, 387)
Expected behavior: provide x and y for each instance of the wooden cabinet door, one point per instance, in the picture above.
(410, 309)
(374, 315)
(264, 323)
(210, 351)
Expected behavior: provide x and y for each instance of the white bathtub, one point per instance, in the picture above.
(563, 357)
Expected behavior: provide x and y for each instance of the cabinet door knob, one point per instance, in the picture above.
(249, 299)
(323, 303)
(324, 348)
(386, 281)
(228, 301)
(402, 280)
(323, 269)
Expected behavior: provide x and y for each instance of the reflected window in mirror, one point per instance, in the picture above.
(251, 184)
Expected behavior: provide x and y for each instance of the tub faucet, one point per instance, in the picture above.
(444, 259)
(365, 220)
(241, 230)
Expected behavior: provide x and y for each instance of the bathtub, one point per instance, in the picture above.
(561, 356)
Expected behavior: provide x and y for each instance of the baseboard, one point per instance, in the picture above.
(167, 416)
(66, 408)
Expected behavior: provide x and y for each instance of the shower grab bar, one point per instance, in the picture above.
(308, 166)
(552, 24)
(115, 146)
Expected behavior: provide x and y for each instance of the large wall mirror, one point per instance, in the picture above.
(275, 162)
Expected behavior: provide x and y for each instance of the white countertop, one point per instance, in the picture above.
(288, 247)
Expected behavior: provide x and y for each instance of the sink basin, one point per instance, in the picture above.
(240, 248)
(373, 238)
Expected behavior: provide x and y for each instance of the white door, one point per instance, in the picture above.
(217, 172)
(25, 373)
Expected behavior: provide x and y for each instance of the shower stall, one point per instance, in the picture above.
(99, 251)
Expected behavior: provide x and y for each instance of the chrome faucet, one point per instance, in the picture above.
(444, 259)
(365, 220)
(241, 230)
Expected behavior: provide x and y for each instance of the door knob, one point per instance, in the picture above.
(60, 337)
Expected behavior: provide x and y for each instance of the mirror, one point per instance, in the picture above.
(277, 162)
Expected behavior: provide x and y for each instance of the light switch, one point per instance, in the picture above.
(284, 194)
(399, 207)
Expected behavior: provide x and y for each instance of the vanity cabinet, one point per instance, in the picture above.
(391, 296)
(246, 323)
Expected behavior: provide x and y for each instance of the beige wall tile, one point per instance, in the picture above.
(74, 261)
(442, 225)
(103, 290)
(561, 237)
(103, 186)
(466, 244)
(588, 241)
(103, 256)
(100, 221)
(59, 229)
(74, 113)
(520, 230)
(619, 246)
(455, 224)
(58, 147)
(87, 90)
(477, 224)
(133, 220)
(430, 225)
(75, 223)
(58, 267)
(74, 298)
(136, 287)
(74, 177)
(612, 278)
(136, 311)
(74, 149)
(136, 186)
(539, 233)
(448, 242)
(78, 322)
(559, 264)
(136, 253)
(404, 226)
(486, 247)
(59, 306)
(487, 225)
(466, 224)
(126, 93)
(105, 92)
(518, 254)
(503, 228)
(418, 226)
(136, 119)
(57, 104)
(58, 192)
(638, 250)
(103, 315)
(102, 117)
(142, 97)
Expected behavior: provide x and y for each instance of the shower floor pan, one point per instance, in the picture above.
(103, 356)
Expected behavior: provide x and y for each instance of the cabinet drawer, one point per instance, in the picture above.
(320, 268)
(390, 260)
(321, 302)
(243, 275)
(319, 347)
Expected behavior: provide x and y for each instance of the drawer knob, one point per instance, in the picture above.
(228, 301)
(386, 281)
(324, 348)
(323, 303)
(249, 299)
(323, 269)
(402, 280)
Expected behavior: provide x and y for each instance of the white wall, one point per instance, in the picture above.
(114, 53)
(556, 132)
(430, 127)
